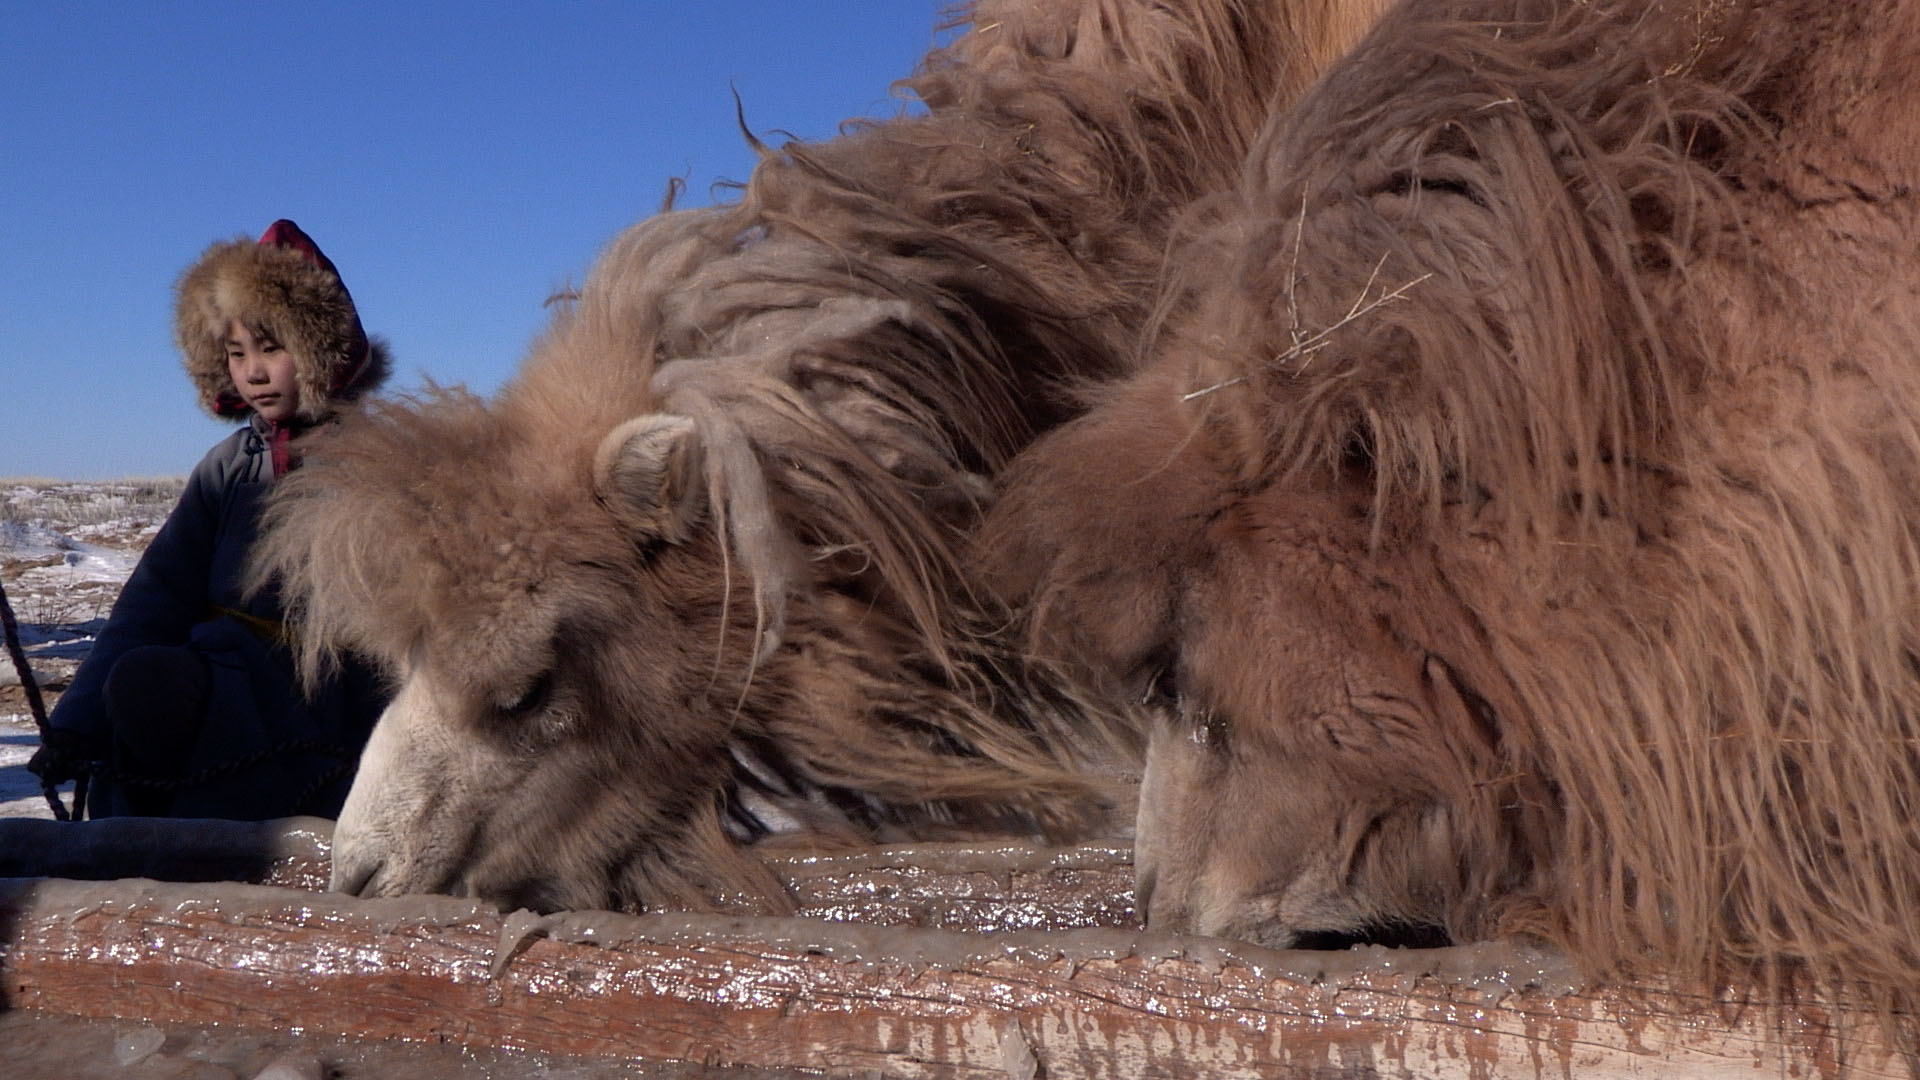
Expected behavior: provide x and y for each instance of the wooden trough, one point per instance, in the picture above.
(928, 961)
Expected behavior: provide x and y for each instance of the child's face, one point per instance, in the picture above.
(262, 372)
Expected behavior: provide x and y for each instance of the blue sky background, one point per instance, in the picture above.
(458, 162)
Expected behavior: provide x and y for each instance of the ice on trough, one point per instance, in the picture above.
(939, 960)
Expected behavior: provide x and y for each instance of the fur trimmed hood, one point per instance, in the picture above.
(283, 287)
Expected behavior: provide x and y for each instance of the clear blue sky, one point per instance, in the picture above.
(458, 162)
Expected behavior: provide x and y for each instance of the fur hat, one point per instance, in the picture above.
(285, 288)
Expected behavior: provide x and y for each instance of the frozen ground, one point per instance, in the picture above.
(19, 789)
(65, 549)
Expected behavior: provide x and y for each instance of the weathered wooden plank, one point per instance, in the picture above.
(952, 886)
(908, 1002)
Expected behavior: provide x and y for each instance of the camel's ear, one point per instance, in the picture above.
(648, 472)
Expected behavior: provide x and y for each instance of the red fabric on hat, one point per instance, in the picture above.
(285, 234)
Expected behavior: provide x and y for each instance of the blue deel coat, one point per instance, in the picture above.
(265, 749)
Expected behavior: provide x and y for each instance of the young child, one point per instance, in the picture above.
(188, 705)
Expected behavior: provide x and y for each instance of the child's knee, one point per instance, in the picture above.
(156, 699)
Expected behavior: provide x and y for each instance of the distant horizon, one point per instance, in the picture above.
(464, 166)
(142, 478)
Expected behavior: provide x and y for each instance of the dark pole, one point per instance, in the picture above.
(38, 707)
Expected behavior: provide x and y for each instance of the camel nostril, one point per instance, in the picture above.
(1158, 909)
(1143, 895)
(354, 879)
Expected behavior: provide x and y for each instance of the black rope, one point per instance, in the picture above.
(344, 768)
(39, 709)
(346, 762)
(216, 771)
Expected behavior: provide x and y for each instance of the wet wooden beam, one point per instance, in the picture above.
(295, 852)
(966, 886)
(951, 886)
(907, 1002)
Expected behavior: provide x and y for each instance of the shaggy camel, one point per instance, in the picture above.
(696, 574)
(1517, 528)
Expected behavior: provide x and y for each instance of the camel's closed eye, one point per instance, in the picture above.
(1412, 184)
(531, 699)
